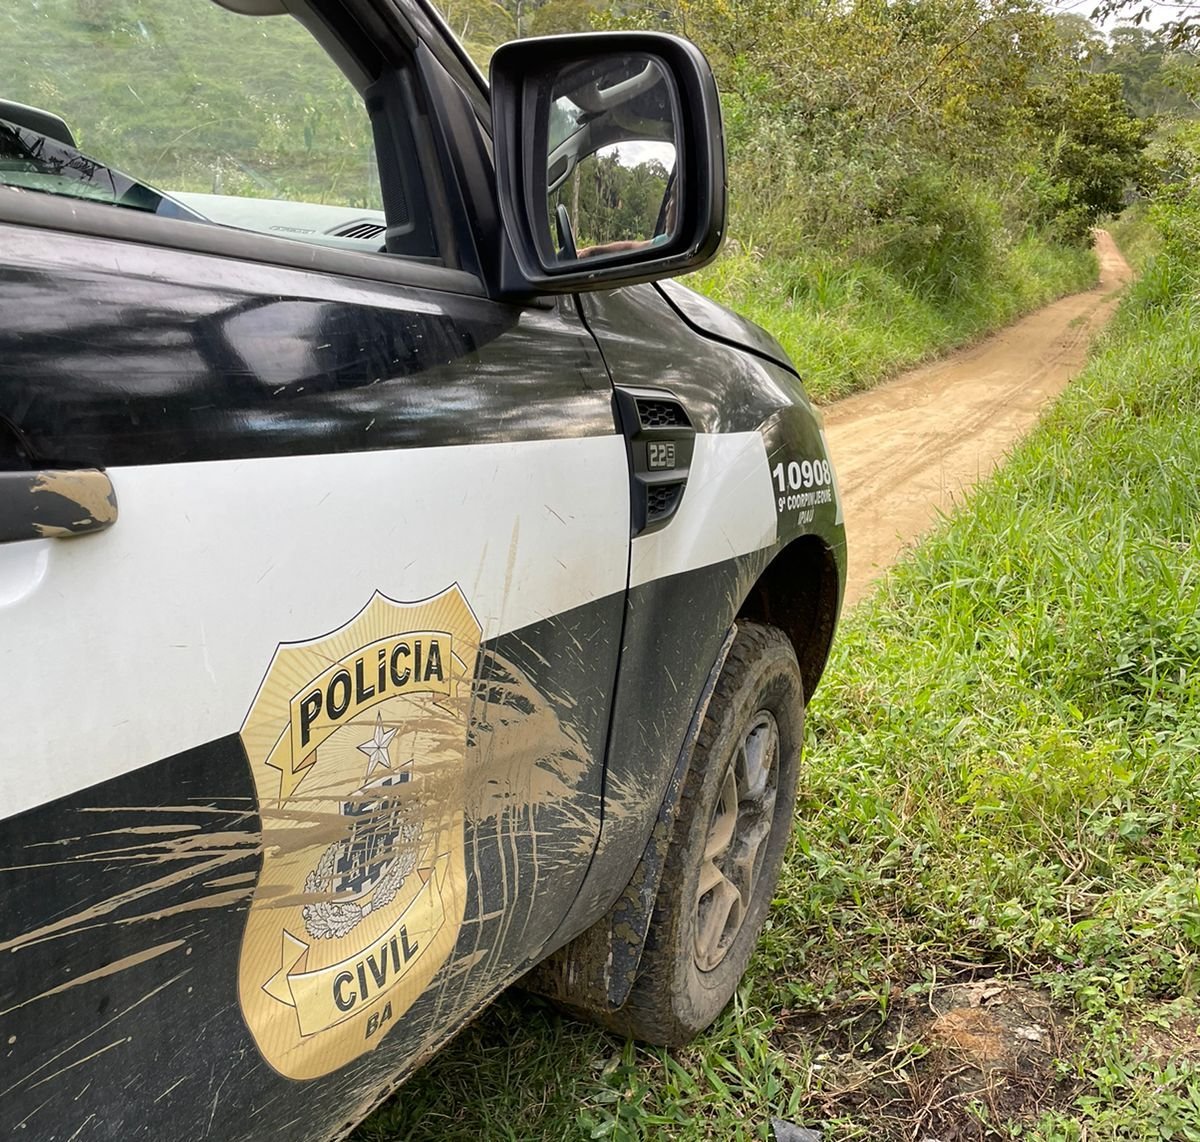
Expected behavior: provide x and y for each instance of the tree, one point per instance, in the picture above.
(556, 17)
(1080, 39)
(1183, 31)
(1094, 147)
(1143, 60)
(611, 201)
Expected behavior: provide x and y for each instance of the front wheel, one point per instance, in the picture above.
(727, 845)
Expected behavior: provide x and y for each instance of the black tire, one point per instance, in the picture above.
(685, 978)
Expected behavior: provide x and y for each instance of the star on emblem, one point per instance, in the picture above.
(376, 747)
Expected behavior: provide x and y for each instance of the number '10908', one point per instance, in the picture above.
(802, 474)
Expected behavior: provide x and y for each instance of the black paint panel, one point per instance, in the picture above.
(709, 318)
(723, 388)
(122, 909)
(115, 354)
(122, 913)
(646, 344)
(790, 434)
(674, 629)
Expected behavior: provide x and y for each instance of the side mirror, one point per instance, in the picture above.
(610, 160)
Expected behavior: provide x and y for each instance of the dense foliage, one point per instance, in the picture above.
(1094, 155)
(902, 174)
(1156, 80)
(853, 121)
(612, 199)
(1181, 28)
(937, 126)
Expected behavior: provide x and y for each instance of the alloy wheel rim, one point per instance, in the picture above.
(735, 847)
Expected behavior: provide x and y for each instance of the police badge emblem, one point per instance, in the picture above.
(356, 742)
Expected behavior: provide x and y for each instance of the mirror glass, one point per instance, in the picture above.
(611, 179)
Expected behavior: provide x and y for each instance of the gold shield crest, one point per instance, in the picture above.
(357, 742)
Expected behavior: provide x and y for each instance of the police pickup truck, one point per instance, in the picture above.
(406, 589)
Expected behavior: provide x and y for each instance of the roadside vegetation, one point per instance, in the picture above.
(903, 176)
(989, 925)
(850, 322)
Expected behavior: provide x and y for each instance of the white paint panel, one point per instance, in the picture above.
(728, 509)
(125, 647)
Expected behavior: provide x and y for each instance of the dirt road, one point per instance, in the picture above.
(911, 447)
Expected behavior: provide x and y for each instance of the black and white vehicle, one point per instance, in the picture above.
(405, 590)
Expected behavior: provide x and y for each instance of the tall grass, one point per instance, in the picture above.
(1031, 676)
(1005, 758)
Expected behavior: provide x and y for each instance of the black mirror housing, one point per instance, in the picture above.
(523, 79)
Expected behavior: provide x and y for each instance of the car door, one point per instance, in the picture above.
(312, 575)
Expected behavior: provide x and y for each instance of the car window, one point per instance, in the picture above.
(184, 108)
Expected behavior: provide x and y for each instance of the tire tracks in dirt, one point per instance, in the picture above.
(910, 449)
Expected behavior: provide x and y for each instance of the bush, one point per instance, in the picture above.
(941, 235)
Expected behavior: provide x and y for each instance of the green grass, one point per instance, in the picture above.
(1001, 782)
(850, 324)
(1005, 754)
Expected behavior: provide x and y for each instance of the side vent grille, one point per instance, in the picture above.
(661, 440)
(660, 414)
(661, 500)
